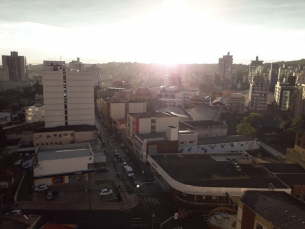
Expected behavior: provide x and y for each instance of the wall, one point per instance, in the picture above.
(190, 139)
(82, 136)
(211, 131)
(137, 107)
(163, 122)
(145, 125)
(117, 110)
(54, 138)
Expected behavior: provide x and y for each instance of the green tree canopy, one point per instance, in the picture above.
(3, 104)
(253, 119)
(297, 124)
(246, 129)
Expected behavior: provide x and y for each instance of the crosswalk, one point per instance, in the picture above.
(137, 223)
(151, 200)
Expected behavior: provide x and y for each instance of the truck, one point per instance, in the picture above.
(129, 171)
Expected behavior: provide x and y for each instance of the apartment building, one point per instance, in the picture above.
(273, 76)
(297, 153)
(225, 69)
(300, 100)
(14, 67)
(68, 95)
(258, 94)
(284, 95)
(236, 103)
(256, 67)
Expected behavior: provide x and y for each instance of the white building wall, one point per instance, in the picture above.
(163, 122)
(117, 110)
(137, 107)
(190, 139)
(144, 125)
(221, 147)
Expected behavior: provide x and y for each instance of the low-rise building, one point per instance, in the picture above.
(62, 135)
(205, 128)
(34, 114)
(149, 122)
(57, 163)
(222, 144)
(270, 210)
(297, 153)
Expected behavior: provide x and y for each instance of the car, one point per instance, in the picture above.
(124, 163)
(101, 170)
(41, 188)
(122, 145)
(115, 153)
(51, 195)
(119, 175)
(106, 192)
(127, 151)
(14, 212)
(119, 159)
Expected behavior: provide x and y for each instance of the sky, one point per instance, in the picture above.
(153, 31)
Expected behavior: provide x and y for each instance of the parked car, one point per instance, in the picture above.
(41, 188)
(14, 212)
(106, 192)
(119, 175)
(122, 145)
(101, 170)
(124, 163)
(50, 195)
(119, 159)
(115, 153)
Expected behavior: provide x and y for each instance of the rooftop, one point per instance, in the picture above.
(64, 151)
(151, 115)
(292, 179)
(204, 112)
(224, 139)
(201, 123)
(76, 128)
(279, 208)
(214, 170)
(284, 168)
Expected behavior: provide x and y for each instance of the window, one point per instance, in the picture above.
(191, 141)
(36, 137)
(181, 142)
(55, 135)
(48, 136)
(55, 143)
(222, 146)
(60, 135)
(65, 134)
(47, 143)
(37, 144)
(71, 135)
(40, 136)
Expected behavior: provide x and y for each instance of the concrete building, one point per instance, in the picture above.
(156, 143)
(68, 95)
(188, 94)
(225, 69)
(57, 164)
(34, 114)
(198, 100)
(76, 65)
(236, 103)
(114, 109)
(273, 76)
(145, 123)
(270, 210)
(300, 100)
(205, 128)
(231, 143)
(64, 135)
(14, 68)
(204, 179)
(97, 74)
(258, 94)
(297, 153)
(169, 102)
(284, 96)
(255, 68)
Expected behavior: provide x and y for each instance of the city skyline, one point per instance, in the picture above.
(167, 32)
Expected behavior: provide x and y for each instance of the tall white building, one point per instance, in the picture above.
(68, 95)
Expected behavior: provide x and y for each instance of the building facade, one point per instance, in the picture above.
(236, 103)
(255, 68)
(273, 76)
(258, 94)
(284, 96)
(297, 153)
(14, 68)
(225, 69)
(68, 95)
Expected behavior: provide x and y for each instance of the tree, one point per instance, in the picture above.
(205, 88)
(297, 124)
(246, 129)
(254, 119)
(3, 104)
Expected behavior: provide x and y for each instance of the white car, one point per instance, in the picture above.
(124, 164)
(41, 188)
(122, 145)
(106, 192)
(15, 212)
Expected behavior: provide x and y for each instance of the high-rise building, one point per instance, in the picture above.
(76, 65)
(14, 68)
(97, 74)
(225, 69)
(273, 76)
(68, 95)
(299, 100)
(284, 95)
(255, 68)
(258, 94)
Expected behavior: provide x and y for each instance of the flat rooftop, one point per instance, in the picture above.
(279, 208)
(202, 123)
(284, 168)
(214, 170)
(77, 128)
(151, 115)
(63, 151)
(224, 139)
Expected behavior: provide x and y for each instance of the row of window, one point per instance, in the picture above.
(51, 143)
(55, 135)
